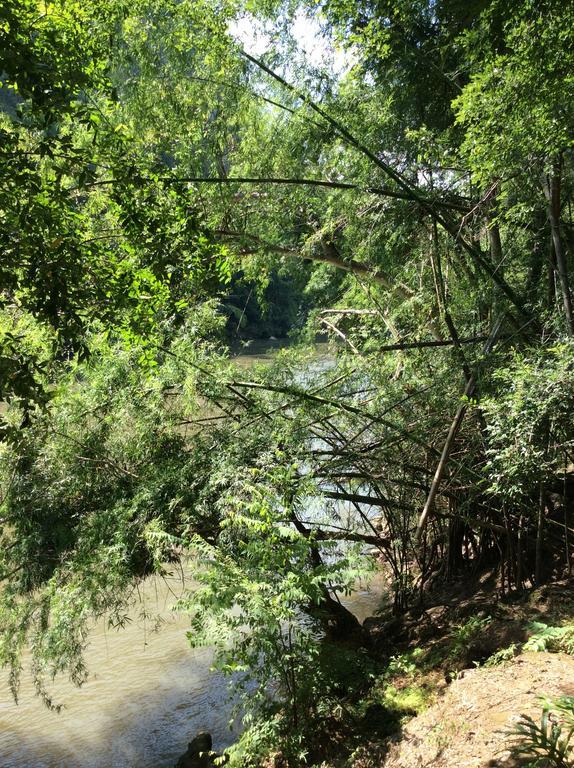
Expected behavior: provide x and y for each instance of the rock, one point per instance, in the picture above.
(436, 614)
(199, 753)
(201, 743)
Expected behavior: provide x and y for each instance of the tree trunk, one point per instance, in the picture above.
(339, 622)
(539, 536)
(552, 192)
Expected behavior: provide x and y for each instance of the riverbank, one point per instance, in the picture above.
(456, 677)
(468, 725)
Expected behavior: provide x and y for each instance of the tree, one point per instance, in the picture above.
(420, 194)
(77, 248)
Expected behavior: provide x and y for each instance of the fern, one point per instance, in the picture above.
(545, 638)
(549, 743)
(502, 656)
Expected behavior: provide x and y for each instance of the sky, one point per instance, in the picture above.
(317, 49)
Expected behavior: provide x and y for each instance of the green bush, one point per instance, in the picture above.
(465, 633)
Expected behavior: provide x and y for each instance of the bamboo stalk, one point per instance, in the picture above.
(452, 433)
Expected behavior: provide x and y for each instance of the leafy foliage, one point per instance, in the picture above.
(502, 656)
(158, 183)
(86, 489)
(545, 638)
(530, 413)
(465, 633)
(89, 233)
(548, 743)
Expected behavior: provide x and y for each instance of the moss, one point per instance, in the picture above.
(410, 700)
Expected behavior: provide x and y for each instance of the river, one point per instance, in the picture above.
(147, 695)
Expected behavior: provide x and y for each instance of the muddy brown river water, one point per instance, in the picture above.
(147, 695)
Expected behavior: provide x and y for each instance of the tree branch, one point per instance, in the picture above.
(408, 188)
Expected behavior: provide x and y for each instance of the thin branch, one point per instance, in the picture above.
(327, 257)
(294, 181)
(336, 404)
(360, 498)
(434, 343)
(328, 183)
(319, 534)
(348, 312)
(340, 334)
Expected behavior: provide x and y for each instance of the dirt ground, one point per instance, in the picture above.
(464, 728)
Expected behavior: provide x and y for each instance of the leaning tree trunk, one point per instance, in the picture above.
(451, 436)
(552, 192)
(339, 623)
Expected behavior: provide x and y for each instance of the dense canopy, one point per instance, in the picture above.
(180, 175)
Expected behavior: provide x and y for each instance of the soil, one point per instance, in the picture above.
(465, 727)
(465, 708)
